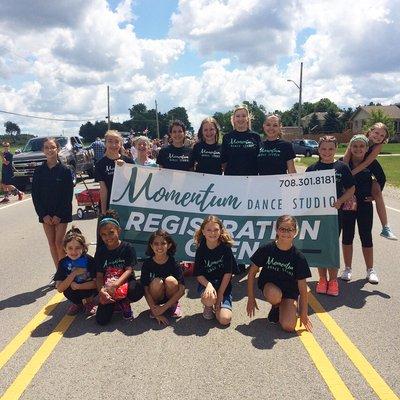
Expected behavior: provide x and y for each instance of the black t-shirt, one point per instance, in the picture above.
(273, 157)
(151, 270)
(239, 151)
(104, 172)
(171, 157)
(66, 265)
(206, 158)
(113, 263)
(7, 171)
(344, 178)
(284, 268)
(214, 264)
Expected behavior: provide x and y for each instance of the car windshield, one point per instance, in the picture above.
(37, 144)
(311, 142)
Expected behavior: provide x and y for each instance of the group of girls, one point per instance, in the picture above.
(241, 153)
(110, 274)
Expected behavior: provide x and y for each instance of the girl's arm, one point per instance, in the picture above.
(220, 293)
(347, 155)
(61, 286)
(346, 196)
(291, 169)
(84, 286)
(210, 290)
(376, 149)
(103, 197)
(123, 278)
(251, 299)
(303, 304)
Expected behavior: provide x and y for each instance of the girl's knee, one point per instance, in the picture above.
(170, 282)
(208, 301)
(288, 326)
(224, 316)
(156, 283)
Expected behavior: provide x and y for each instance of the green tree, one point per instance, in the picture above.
(325, 105)
(258, 113)
(314, 125)
(224, 121)
(380, 116)
(332, 123)
(181, 114)
(345, 118)
(12, 129)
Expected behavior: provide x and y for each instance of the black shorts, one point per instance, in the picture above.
(287, 293)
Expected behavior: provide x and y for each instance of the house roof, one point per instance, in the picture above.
(390, 111)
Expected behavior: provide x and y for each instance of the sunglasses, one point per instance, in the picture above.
(286, 230)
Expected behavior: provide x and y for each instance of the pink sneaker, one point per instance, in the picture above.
(176, 311)
(333, 288)
(74, 309)
(322, 286)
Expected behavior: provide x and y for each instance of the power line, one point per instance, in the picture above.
(48, 118)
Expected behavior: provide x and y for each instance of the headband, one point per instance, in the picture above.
(359, 138)
(108, 220)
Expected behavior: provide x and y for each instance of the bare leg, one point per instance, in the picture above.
(224, 316)
(379, 202)
(157, 289)
(60, 230)
(272, 294)
(50, 232)
(368, 253)
(288, 314)
(171, 286)
(347, 254)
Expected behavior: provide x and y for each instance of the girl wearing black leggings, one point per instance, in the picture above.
(364, 210)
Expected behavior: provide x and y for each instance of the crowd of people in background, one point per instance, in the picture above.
(241, 152)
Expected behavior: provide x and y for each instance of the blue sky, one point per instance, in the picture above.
(57, 59)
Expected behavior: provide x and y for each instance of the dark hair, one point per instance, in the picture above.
(176, 122)
(75, 234)
(329, 139)
(210, 120)
(108, 214)
(225, 236)
(51, 139)
(286, 218)
(161, 233)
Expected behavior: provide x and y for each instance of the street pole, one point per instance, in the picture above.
(300, 93)
(108, 108)
(158, 126)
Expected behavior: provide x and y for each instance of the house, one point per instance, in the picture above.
(361, 115)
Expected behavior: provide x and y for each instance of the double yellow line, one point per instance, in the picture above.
(20, 383)
(327, 370)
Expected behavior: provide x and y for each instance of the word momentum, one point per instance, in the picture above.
(202, 198)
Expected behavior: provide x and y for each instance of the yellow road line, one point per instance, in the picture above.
(26, 332)
(380, 387)
(20, 383)
(326, 369)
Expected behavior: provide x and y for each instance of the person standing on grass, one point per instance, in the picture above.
(7, 175)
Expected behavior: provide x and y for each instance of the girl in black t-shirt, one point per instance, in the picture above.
(76, 275)
(162, 278)
(206, 154)
(176, 155)
(105, 167)
(276, 156)
(240, 147)
(282, 280)
(115, 277)
(327, 283)
(213, 266)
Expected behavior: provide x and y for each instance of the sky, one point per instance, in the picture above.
(57, 57)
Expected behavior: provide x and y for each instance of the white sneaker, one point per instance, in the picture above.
(346, 274)
(372, 276)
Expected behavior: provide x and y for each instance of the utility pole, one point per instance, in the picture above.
(108, 108)
(300, 87)
(158, 126)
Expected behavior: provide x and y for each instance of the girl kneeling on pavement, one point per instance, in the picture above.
(114, 261)
(162, 278)
(213, 266)
(284, 270)
(76, 273)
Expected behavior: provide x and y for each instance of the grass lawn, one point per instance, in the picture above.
(391, 166)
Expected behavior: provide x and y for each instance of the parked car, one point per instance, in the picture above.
(306, 147)
(72, 153)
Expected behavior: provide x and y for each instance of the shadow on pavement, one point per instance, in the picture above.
(22, 299)
(351, 294)
(264, 334)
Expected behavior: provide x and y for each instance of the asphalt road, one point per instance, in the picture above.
(46, 355)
